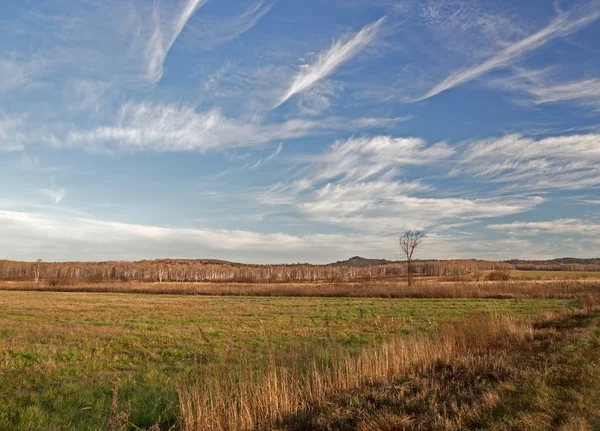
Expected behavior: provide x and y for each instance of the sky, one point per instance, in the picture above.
(272, 131)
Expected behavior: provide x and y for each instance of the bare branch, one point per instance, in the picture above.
(408, 244)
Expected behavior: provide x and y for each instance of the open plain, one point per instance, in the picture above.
(87, 360)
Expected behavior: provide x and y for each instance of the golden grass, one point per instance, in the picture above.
(265, 401)
(427, 288)
(467, 361)
(462, 356)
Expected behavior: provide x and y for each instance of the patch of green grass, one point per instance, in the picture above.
(60, 352)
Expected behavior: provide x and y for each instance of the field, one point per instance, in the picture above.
(60, 353)
(426, 287)
(204, 356)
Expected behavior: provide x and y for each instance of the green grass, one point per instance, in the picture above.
(554, 275)
(60, 352)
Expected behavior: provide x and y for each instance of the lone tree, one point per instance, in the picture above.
(408, 244)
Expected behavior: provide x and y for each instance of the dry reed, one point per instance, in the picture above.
(563, 289)
(262, 401)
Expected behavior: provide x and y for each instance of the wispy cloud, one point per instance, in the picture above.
(565, 226)
(211, 31)
(179, 127)
(166, 31)
(559, 162)
(126, 43)
(275, 153)
(330, 59)
(541, 87)
(55, 194)
(357, 184)
(367, 157)
(563, 25)
(385, 208)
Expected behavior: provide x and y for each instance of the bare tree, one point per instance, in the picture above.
(37, 269)
(408, 244)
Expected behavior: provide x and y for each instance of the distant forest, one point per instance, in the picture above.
(562, 264)
(189, 270)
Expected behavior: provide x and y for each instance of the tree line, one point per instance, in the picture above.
(203, 271)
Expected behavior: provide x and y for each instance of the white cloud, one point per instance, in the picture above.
(565, 226)
(384, 207)
(175, 127)
(123, 42)
(166, 31)
(357, 160)
(355, 184)
(567, 162)
(55, 194)
(543, 88)
(56, 237)
(60, 236)
(209, 31)
(330, 59)
(563, 25)
(587, 89)
(362, 158)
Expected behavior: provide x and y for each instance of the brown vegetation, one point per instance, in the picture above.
(368, 288)
(499, 275)
(454, 381)
(269, 399)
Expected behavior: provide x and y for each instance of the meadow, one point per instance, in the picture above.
(221, 356)
(61, 353)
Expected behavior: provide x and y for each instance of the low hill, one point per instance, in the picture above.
(361, 261)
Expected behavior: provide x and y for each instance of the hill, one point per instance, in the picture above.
(362, 261)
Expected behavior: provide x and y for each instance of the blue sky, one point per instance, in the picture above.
(286, 131)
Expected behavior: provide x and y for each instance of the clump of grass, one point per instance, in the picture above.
(590, 301)
(118, 420)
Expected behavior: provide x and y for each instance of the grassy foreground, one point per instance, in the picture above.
(486, 374)
(60, 353)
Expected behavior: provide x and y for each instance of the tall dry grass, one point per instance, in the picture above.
(249, 400)
(376, 289)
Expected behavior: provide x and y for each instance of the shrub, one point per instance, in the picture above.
(59, 281)
(499, 275)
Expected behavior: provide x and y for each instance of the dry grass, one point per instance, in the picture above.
(429, 288)
(455, 369)
(453, 381)
(61, 352)
(272, 398)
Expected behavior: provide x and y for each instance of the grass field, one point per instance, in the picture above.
(496, 374)
(61, 352)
